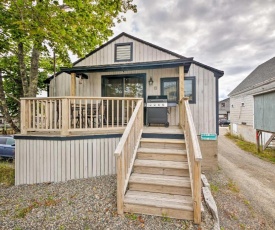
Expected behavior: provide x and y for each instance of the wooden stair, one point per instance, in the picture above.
(160, 183)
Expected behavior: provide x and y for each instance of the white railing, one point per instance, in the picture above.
(193, 154)
(75, 114)
(126, 152)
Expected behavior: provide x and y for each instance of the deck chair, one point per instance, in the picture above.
(97, 116)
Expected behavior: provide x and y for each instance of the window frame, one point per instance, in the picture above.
(167, 79)
(193, 79)
(131, 51)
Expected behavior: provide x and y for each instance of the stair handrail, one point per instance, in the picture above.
(125, 152)
(193, 154)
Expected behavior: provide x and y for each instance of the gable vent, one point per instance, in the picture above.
(123, 52)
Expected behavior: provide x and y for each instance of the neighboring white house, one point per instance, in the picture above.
(224, 109)
(253, 103)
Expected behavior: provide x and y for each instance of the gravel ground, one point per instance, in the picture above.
(77, 204)
(234, 208)
(244, 188)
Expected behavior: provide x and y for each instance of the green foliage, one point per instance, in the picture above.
(7, 173)
(30, 31)
(77, 26)
(267, 154)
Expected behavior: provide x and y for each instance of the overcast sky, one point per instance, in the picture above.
(231, 35)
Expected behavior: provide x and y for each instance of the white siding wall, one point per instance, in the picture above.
(39, 161)
(141, 53)
(239, 114)
(242, 114)
(204, 111)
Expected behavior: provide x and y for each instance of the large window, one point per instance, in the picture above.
(124, 52)
(170, 87)
(132, 85)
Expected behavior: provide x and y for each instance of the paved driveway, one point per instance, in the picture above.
(255, 177)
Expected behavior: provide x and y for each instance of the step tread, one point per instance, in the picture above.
(162, 151)
(164, 180)
(165, 141)
(161, 164)
(159, 200)
(162, 130)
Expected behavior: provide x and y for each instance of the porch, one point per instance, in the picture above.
(79, 137)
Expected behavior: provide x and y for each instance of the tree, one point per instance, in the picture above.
(32, 29)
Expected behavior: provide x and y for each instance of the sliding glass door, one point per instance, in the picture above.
(123, 86)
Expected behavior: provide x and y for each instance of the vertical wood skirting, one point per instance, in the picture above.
(39, 161)
(73, 84)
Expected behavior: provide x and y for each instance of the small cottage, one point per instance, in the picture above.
(97, 120)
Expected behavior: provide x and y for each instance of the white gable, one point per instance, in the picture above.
(141, 53)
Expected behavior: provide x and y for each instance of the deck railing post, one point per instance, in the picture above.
(24, 117)
(65, 117)
(197, 192)
(120, 185)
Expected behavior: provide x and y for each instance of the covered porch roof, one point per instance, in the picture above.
(186, 62)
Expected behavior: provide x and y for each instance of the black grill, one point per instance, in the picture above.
(157, 110)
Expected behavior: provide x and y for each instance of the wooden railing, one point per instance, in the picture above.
(193, 154)
(75, 114)
(126, 153)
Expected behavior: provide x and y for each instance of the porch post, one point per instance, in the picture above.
(181, 93)
(73, 84)
(181, 82)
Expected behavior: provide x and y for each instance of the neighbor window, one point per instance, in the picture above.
(170, 87)
(124, 52)
(223, 104)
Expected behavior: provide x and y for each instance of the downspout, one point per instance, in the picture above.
(217, 102)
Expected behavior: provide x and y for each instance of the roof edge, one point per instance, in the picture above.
(218, 73)
(251, 87)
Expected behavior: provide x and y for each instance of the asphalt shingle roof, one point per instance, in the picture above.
(261, 74)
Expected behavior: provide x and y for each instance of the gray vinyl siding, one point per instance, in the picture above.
(264, 112)
(204, 111)
(141, 53)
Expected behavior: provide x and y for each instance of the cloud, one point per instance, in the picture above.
(231, 35)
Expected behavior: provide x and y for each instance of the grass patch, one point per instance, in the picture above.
(214, 188)
(165, 218)
(267, 154)
(131, 216)
(49, 201)
(232, 186)
(7, 173)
